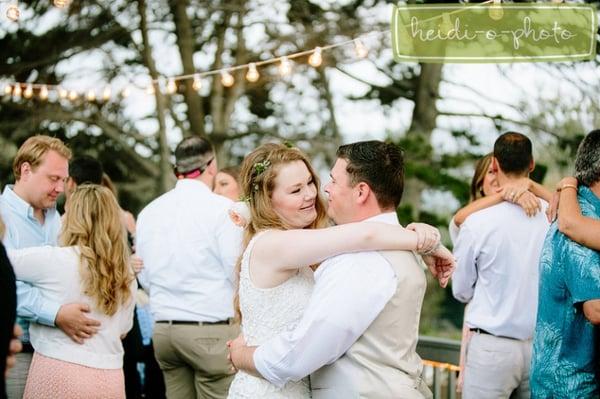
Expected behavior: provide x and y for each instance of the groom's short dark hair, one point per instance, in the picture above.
(380, 165)
(514, 153)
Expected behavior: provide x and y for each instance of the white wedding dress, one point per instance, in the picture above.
(267, 312)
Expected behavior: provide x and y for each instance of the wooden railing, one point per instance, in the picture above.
(440, 357)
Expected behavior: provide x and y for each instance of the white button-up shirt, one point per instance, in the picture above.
(498, 252)
(189, 247)
(350, 291)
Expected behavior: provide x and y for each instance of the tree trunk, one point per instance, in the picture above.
(185, 43)
(423, 122)
(166, 171)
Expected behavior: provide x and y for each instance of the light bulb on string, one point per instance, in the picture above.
(496, 12)
(8, 90)
(28, 93)
(44, 92)
(360, 48)
(91, 95)
(150, 89)
(17, 90)
(227, 79)
(171, 87)
(252, 75)
(13, 13)
(62, 93)
(197, 83)
(106, 93)
(316, 58)
(125, 92)
(285, 68)
(73, 95)
(61, 3)
(446, 25)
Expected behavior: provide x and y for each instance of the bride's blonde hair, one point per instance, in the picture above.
(93, 224)
(257, 182)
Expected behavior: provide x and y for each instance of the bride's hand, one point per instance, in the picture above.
(428, 237)
(441, 264)
(234, 346)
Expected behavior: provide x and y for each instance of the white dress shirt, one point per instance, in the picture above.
(498, 251)
(189, 247)
(55, 271)
(350, 291)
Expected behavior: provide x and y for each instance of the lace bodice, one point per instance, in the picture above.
(266, 313)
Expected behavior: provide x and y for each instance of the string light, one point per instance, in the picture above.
(171, 86)
(28, 93)
(150, 89)
(61, 3)
(106, 93)
(496, 12)
(252, 75)
(44, 92)
(446, 25)
(315, 58)
(227, 79)
(285, 68)
(360, 48)
(62, 93)
(13, 13)
(8, 90)
(91, 95)
(197, 83)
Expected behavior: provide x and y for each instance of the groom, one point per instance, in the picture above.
(358, 335)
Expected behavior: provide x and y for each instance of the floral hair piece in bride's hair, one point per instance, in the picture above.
(239, 213)
(259, 168)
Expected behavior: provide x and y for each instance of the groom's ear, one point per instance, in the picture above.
(362, 192)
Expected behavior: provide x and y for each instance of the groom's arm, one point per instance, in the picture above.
(350, 292)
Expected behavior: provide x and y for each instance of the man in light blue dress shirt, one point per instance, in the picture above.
(29, 211)
(498, 251)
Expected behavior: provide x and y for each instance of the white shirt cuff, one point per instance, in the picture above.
(263, 368)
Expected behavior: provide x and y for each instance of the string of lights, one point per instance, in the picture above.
(170, 85)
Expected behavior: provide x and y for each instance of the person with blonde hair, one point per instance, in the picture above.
(90, 266)
(29, 210)
(286, 235)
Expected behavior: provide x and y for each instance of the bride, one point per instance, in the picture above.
(286, 235)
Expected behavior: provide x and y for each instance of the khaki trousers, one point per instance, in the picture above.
(17, 376)
(193, 359)
(497, 368)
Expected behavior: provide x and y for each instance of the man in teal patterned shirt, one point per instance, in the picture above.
(566, 341)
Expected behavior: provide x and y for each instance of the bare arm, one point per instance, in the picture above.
(591, 310)
(520, 196)
(291, 249)
(477, 205)
(540, 191)
(242, 356)
(573, 224)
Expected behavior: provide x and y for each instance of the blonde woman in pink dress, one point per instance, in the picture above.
(91, 266)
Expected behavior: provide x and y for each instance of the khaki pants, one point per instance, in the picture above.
(193, 359)
(497, 368)
(17, 376)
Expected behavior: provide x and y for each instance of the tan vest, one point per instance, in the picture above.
(383, 362)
